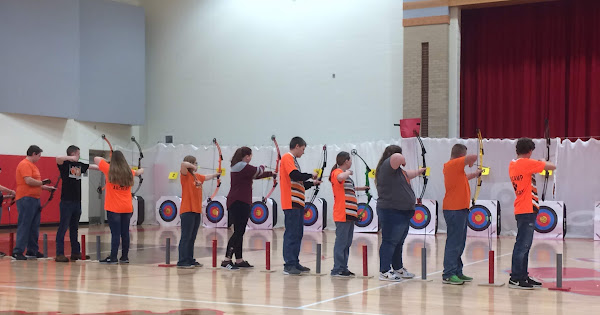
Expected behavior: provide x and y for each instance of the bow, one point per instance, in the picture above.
(51, 193)
(214, 194)
(423, 152)
(101, 184)
(546, 175)
(367, 171)
(141, 156)
(276, 168)
(480, 164)
(318, 187)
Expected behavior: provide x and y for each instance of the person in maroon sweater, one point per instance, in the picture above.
(239, 203)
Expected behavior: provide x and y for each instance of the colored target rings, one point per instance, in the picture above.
(365, 215)
(480, 218)
(546, 220)
(311, 215)
(421, 218)
(259, 212)
(215, 211)
(168, 211)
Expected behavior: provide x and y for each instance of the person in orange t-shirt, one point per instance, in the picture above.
(191, 210)
(456, 211)
(29, 189)
(118, 203)
(522, 175)
(345, 212)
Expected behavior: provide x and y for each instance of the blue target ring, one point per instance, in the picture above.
(546, 220)
(215, 211)
(421, 218)
(259, 212)
(480, 218)
(365, 215)
(311, 215)
(168, 211)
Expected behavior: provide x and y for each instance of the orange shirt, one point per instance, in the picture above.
(292, 193)
(458, 191)
(118, 198)
(344, 195)
(191, 196)
(522, 175)
(26, 168)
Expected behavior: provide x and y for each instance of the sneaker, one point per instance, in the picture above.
(18, 256)
(520, 284)
(243, 264)
(465, 278)
(534, 283)
(123, 260)
(302, 268)
(185, 266)
(402, 272)
(390, 276)
(34, 256)
(109, 260)
(342, 274)
(352, 274)
(61, 258)
(78, 257)
(2, 254)
(197, 264)
(293, 271)
(228, 264)
(454, 279)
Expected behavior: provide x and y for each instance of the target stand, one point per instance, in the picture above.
(597, 221)
(551, 221)
(315, 215)
(138, 211)
(167, 211)
(215, 213)
(263, 215)
(368, 221)
(484, 219)
(424, 221)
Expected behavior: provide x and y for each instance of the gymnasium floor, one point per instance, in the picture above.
(142, 287)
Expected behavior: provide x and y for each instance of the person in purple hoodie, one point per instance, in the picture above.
(239, 204)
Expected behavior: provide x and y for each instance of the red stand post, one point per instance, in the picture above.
(268, 255)
(491, 269)
(82, 247)
(365, 265)
(214, 253)
(11, 243)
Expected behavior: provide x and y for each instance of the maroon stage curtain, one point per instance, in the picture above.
(522, 64)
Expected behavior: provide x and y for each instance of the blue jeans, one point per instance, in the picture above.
(28, 226)
(292, 237)
(70, 212)
(394, 229)
(341, 250)
(190, 222)
(456, 222)
(520, 256)
(119, 231)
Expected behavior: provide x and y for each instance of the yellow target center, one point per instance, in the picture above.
(418, 216)
(307, 214)
(259, 212)
(543, 219)
(478, 217)
(214, 211)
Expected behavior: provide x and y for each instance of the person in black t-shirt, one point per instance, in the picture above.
(70, 202)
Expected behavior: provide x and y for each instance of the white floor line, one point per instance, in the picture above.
(388, 285)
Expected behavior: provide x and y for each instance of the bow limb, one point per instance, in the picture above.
(480, 166)
(425, 179)
(51, 193)
(367, 171)
(276, 168)
(214, 194)
(546, 175)
(141, 156)
(318, 187)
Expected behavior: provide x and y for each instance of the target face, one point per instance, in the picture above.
(215, 211)
(421, 218)
(259, 212)
(546, 220)
(311, 215)
(168, 211)
(480, 218)
(365, 215)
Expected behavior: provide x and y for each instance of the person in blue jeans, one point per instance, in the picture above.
(456, 212)
(6, 196)
(522, 175)
(395, 208)
(71, 170)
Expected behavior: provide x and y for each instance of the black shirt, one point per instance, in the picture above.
(70, 173)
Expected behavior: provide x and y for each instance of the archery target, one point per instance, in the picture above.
(550, 222)
(263, 215)
(483, 219)
(167, 210)
(215, 213)
(424, 221)
(368, 221)
(597, 221)
(315, 215)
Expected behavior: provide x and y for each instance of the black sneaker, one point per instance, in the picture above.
(124, 260)
(244, 264)
(185, 266)
(228, 264)
(109, 260)
(293, 271)
(197, 264)
(535, 284)
(520, 284)
(75, 257)
(34, 256)
(2, 254)
(352, 274)
(343, 274)
(302, 268)
(61, 258)
(18, 256)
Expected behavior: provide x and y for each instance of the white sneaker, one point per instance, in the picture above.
(390, 276)
(403, 273)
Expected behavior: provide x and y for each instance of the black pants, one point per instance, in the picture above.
(239, 212)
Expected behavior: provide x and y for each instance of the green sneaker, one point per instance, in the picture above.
(453, 280)
(465, 278)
